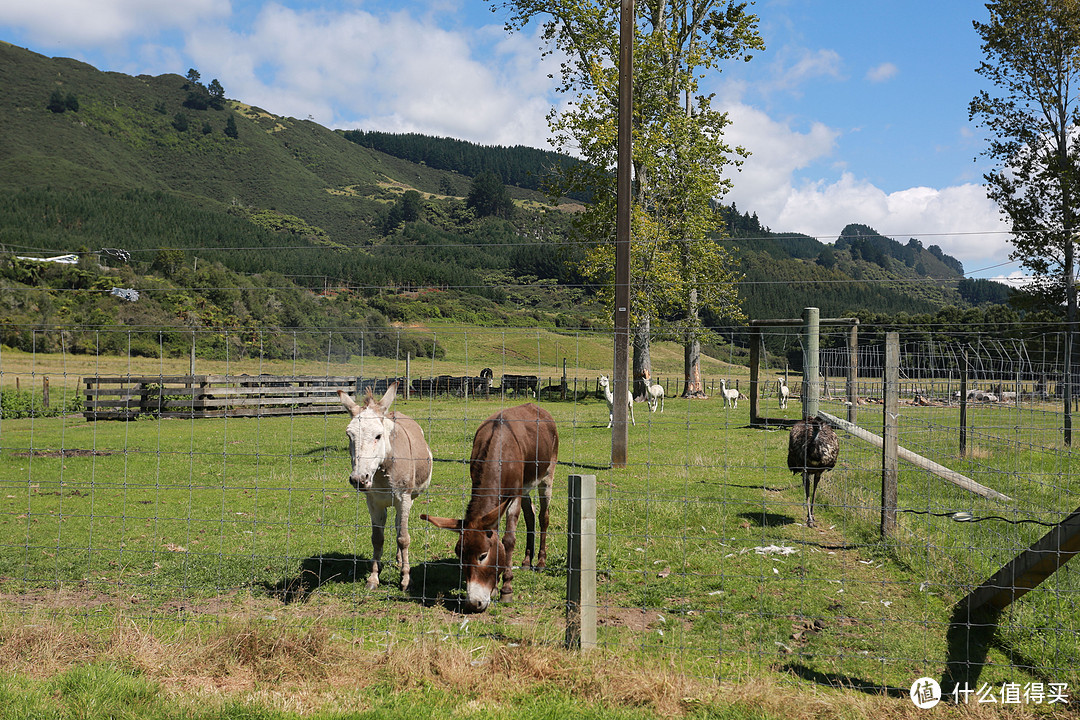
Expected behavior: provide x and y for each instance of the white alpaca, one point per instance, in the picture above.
(654, 393)
(731, 397)
(782, 393)
(605, 384)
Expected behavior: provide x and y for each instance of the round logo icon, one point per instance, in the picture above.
(925, 693)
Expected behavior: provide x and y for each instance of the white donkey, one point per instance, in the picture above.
(391, 465)
(605, 384)
(782, 393)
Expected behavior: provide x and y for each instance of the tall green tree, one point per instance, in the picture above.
(488, 196)
(1032, 59)
(679, 153)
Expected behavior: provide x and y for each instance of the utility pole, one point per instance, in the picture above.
(620, 433)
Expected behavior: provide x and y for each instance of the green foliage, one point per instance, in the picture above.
(31, 404)
(520, 166)
(1031, 53)
(488, 197)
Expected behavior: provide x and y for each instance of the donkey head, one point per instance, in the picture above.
(483, 558)
(369, 433)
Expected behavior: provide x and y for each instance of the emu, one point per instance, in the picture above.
(812, 449)
(653, 393)
(782, 393)
(731, 397)
(605, 384)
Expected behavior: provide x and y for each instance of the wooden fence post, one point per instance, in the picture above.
(45, 392)
(890, 462)
(963, 402)
(581, 562)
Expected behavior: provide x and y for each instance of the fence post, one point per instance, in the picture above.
(853, 374)
(811, 389)
(45, 392)
(581, 562)
(890, 461)
(963, 402)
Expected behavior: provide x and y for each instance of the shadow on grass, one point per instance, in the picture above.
(766, 519)
(836, 680)
(436, 583)
(969, 638)
(316, 571)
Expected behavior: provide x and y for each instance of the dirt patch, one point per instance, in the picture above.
(65, 453)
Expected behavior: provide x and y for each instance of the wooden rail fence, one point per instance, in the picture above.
(204, 396)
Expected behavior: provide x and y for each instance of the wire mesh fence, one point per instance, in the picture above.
(704, 557)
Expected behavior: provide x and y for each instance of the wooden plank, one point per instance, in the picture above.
(1029, 568)
(917, 460)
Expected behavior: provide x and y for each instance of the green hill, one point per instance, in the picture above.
(203, 191)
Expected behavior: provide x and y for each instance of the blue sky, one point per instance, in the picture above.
(856, 111)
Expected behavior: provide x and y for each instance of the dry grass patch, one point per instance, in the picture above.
(302, 667)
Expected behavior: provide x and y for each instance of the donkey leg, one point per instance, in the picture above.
(509, 540)
(378, 527)
(530, 531)
(543, 494)
(401, 519)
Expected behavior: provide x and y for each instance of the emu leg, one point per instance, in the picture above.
(811, 492)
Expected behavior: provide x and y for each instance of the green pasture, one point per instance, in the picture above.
(703, 557)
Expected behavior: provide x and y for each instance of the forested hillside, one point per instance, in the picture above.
(201, 191)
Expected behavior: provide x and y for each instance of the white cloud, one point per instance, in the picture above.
(790, 72)
(881, 73)
(393, 72)
(960, 219)
(81, 24)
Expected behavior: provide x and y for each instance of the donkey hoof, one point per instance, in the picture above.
(372, 583)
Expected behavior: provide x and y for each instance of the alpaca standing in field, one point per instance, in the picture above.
(812, 449)
(782, 393)
(731, 397)
(654, 393)
(605, 385)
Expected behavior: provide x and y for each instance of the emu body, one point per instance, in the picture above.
(812, 449)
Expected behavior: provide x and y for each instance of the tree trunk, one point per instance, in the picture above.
(692, 353)
(642, 361)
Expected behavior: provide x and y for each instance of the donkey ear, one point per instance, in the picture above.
(491, 519)
(349, 403)
(388, 397)
(441, 522)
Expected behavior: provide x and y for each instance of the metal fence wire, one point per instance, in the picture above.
(188, 487)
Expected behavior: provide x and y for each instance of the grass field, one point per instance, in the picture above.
(230, 553)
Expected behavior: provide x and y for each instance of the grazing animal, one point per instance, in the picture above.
(812, 449)
(391, 465)
(605, 384)
(520, 383)
(731, 397)
(782, 393)
(513, 452)
(654, 393)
